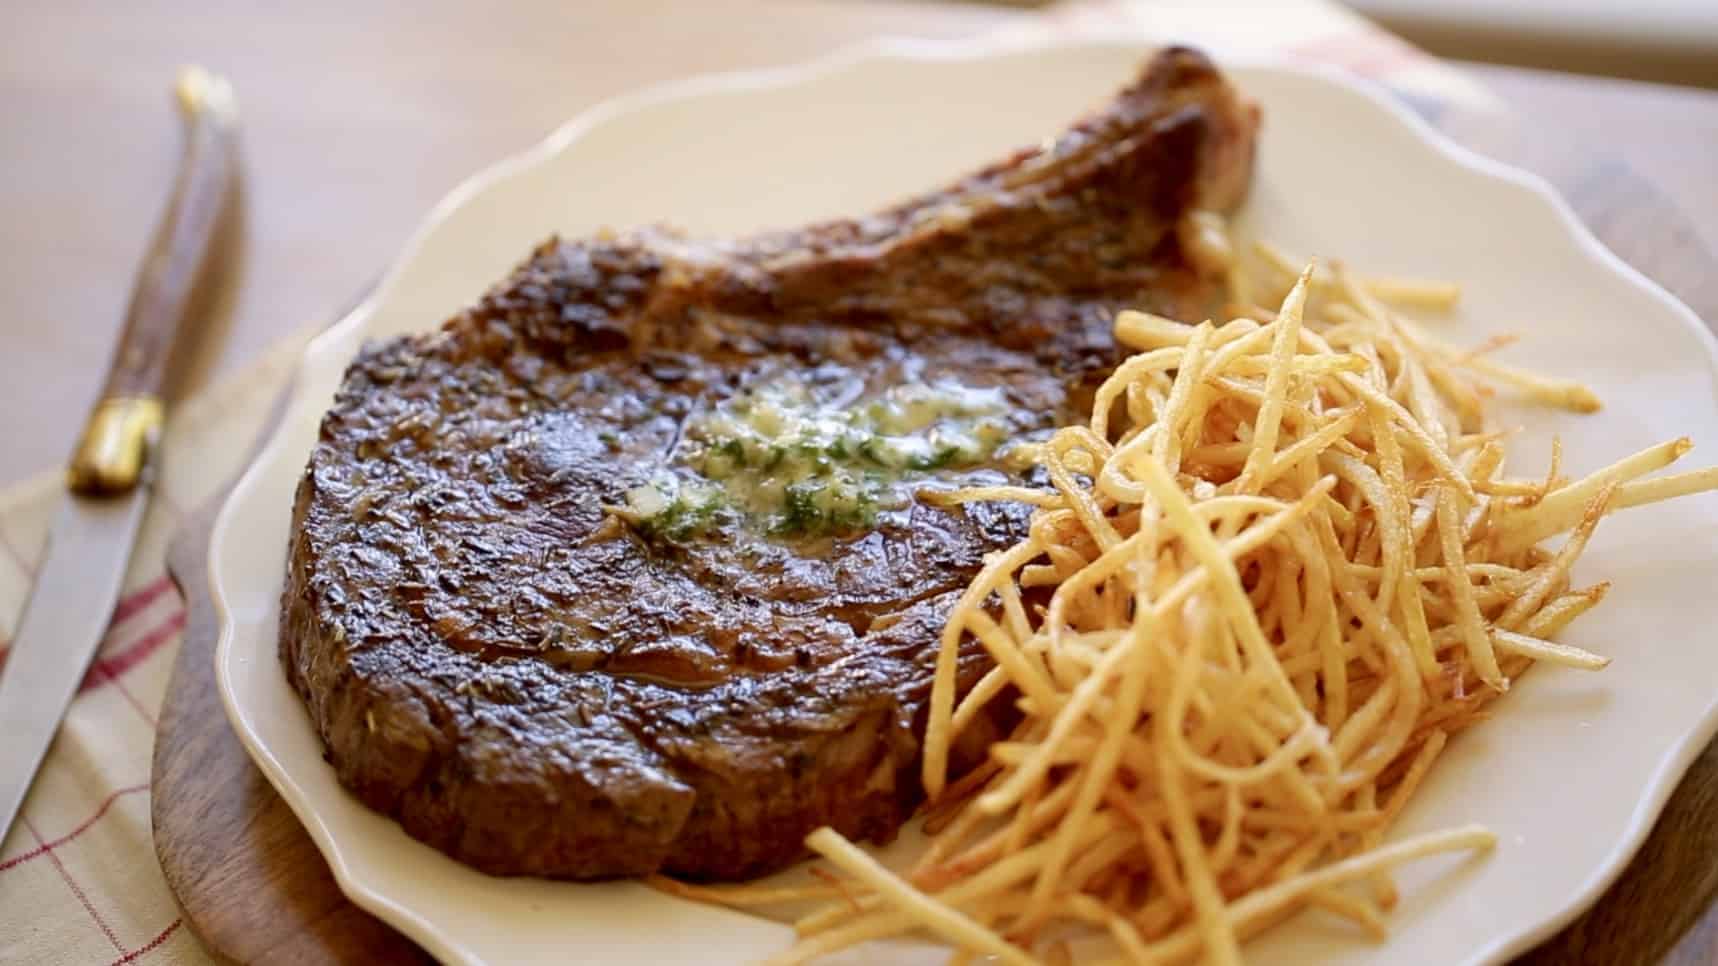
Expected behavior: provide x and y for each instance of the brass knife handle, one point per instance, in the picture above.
(123, 428)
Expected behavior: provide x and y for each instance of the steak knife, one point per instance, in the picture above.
(111, 471)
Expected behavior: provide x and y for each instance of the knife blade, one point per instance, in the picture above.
(69, 606)
(110, 474)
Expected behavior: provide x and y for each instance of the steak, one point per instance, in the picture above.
(565, 598)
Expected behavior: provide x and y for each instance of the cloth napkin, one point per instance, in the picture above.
(79, 882)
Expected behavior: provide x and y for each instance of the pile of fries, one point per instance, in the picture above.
(1279, 568)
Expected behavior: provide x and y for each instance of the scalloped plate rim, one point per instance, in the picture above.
(1673, 761)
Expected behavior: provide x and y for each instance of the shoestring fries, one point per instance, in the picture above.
(1279, 567)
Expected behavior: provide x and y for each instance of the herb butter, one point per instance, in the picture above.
(780, 457)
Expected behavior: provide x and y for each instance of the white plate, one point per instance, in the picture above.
(1570, 774)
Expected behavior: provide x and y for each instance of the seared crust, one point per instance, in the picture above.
(533, 688)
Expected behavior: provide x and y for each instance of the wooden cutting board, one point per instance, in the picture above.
(255, 889)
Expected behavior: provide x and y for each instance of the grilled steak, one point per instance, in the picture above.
(636, 565)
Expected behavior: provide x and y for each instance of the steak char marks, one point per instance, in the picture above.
(496, 657)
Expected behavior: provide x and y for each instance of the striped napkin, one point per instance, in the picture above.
(79, 881)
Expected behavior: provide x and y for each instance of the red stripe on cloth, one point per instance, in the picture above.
(131, 699)
(77, 890)
(110, 668)
(45, 847)
(140, 598)
(150, 946)
(127, 607)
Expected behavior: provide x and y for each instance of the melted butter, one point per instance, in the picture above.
(781, 456)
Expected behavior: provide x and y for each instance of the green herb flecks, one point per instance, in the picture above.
(777, 458)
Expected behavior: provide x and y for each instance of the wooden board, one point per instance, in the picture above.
(254, 888)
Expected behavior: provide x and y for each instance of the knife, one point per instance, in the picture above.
(111, 471)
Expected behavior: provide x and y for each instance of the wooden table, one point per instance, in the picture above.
(334, 93)
(357, 118)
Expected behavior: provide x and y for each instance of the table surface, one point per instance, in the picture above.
(355, 126)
